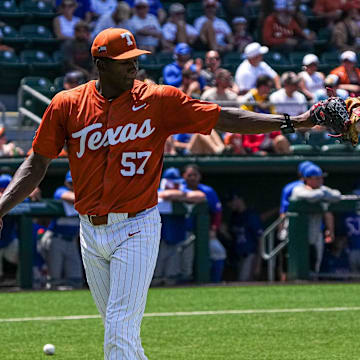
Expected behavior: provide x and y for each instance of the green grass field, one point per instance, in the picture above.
(317, 330)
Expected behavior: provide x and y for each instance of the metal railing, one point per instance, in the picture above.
(36, 94)
(267, 242)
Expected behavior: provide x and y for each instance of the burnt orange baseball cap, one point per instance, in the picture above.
(116, 43)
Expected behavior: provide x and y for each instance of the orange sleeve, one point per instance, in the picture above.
(50, 136)
(268, 33)
(182, 114)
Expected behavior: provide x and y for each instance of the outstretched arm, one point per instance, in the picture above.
(25, 180)
(247, 122)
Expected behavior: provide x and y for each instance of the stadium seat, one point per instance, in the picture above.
(164, 58)
(278, 61)
(296, 138)
(302, 149)
(232, 58)
(41, 63)
(40, 12)
(41, 37)
(194, 10)
(331, 149)
(11, 71)
(331, 58)
(319, 138)
(12, 38)
(58, 84)
(199, 54)
(150, 65)
(10, 14)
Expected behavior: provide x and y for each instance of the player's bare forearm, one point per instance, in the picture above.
(247, 122)
(25, 180)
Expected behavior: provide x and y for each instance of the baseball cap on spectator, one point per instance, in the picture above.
(254, 49)
(313, 170)
(4, 181)
(310, 59)
(303, 165)
(289, 78)
(331, 80)
(239, 20)
(348, 55)
(68, 177)
(176, 8)
(141, 2)
(182, 49)
(172, 173)
(116, 43)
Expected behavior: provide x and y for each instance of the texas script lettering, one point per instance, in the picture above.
(121, 134)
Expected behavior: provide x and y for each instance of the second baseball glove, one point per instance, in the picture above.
(339, 116)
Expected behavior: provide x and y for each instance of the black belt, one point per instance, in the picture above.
(103, 219)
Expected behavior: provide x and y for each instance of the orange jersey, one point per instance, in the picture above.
(116, 147)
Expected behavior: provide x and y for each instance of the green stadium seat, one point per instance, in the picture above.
(296, 138)
(296, 57)
(150, 65)
(12, 38)
(319, 138)
(199, 54)
(232, 58)
(41, 63)
(12, 70)
(278, 61)
(194, 10)
(40, 36)
(38, 8)
(8, 6)
(302, 149)
(331, 58)
(331, 149)
(164, 58)
(10, 14)
(58, 84)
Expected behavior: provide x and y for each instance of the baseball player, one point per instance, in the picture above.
(115, 129)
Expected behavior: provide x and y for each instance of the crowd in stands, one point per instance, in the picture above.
(220, 50)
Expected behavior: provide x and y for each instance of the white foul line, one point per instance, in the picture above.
(190, 313)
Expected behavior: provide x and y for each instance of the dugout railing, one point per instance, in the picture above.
(24, 213)
(298, 267)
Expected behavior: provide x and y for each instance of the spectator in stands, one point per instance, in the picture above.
(335, 261)
(8, 148)
(9, 243)
(348, 73)
(64, 24)
(346, 32)
(246, 229)
(155, 8)
(222, 91)
(73, 79)
(82, 10)
(311, 80)
(252, 67)
(313, 191)
(192, 177)
(234, 144)
(288, 99)
(146, 27)
(59, 244)
(190, 84)
(331, 89)
(168, 269)
(215, 33)
(76, 51)
(172, 73)
(241, 34)
(101, 7)
(330, 10)
(212, 63)
(176, 30)
(119, 18)
(281, 32)
(257, 100)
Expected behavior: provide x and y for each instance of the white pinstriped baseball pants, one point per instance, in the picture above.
(119, 261)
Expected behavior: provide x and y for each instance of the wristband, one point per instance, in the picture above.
(287, 126)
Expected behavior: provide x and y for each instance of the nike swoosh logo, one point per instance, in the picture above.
(134, 233)
(136, 108)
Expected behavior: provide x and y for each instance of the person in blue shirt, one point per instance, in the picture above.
(192, 177)
(173, 230)
(9, 243)
(245, 228)
(172, 73)
(59, 244)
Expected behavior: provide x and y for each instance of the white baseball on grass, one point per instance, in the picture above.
(49, 349)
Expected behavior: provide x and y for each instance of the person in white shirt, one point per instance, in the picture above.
(313, 190)
(215, 33)
(252, 67)
(176, 30)
(64, 24)
(119, 18)
(288, 99)
(311, 80)
(146, 27)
